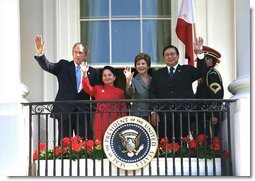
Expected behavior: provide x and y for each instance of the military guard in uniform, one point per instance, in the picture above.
(210, 87)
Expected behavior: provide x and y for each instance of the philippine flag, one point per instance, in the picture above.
(184, 31)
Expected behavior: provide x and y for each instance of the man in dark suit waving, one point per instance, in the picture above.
(174, 81)
(69, 77)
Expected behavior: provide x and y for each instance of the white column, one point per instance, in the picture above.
(12, 152)
(9, 50)
(252, 55)
(240, 88)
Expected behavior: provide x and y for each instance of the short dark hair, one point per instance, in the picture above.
(79, 43)
(107, 67)
(144, 56)
(170, 46)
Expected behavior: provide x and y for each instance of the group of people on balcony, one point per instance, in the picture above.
(79, 81)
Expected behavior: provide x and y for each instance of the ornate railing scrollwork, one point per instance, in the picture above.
(43, 108)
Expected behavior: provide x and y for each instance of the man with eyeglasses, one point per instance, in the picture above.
(174, 82)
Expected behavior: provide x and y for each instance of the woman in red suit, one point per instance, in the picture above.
(108, 112)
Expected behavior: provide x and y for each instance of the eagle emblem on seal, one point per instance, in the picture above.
(130, 140)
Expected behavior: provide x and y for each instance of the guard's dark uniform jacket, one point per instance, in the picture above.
(210, 87)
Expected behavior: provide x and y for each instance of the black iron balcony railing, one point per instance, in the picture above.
(193, 135)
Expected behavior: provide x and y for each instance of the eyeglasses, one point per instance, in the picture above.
(170, 54)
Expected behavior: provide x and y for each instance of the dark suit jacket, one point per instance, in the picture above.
(180, 87)
(65, 73)
(161, 87)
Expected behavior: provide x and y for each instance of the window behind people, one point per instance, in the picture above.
(116, 30)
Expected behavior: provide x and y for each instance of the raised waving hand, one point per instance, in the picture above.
(198, 45)
(128, 74)
(39, 44)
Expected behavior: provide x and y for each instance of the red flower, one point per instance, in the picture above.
(217, 140)
(57, 151)
(97, 142)
(185, 139)
(42, 147)
(176, 147)
(64, 150)
(69, 148)
(88, 145)
(201, 139)
(35, 155)
(192, 144)
(66, 141)
(168, 147)
(215, 147)
(163, 141)
(199, 147)
(76, 139)
(76, 146)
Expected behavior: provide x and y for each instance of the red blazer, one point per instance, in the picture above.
(105, 113)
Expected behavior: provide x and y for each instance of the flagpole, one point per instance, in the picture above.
(194, 25)
(194, 31)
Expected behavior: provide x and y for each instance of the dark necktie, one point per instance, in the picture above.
(78, 77)
(171, 73)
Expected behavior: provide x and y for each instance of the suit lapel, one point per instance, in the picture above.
(177, 71)
(166, 72)
(72, 73)
(141, 82)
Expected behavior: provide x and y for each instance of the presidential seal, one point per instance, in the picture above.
(130, 143)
